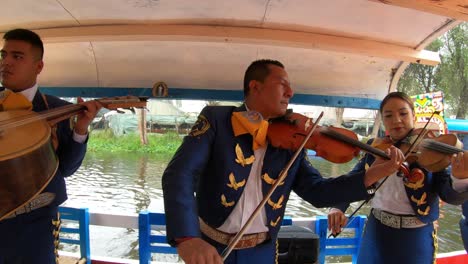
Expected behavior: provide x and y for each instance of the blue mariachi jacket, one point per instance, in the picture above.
(69, 152)
(17, 232)
(208, 164)
(423, 192)
(464, 225)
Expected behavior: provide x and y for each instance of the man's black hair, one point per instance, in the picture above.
(258, 71)
(26, 35)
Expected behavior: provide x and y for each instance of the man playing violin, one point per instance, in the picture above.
(400, 226)
(30, 234)
(227, 161)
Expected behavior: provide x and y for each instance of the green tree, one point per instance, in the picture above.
(450, 77)
(419, 78)
(453, 71)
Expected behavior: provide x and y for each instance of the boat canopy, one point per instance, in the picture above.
(337, 52)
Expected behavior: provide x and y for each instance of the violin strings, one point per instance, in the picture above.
(353, 142)
(416, 143)
(439, 146)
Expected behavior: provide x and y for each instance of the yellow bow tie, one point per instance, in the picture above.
(13, 101)
(250, 122)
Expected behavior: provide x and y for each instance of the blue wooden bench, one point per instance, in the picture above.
(340, 245)
(78, 217)
(148, 241)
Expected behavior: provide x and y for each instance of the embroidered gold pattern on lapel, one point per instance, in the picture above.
(278, 204)
(241, 159)
(425, 212)
(420, 201)
(233, 183)
(225, 203)
(417, 180)
(269, 180)
(275, 223)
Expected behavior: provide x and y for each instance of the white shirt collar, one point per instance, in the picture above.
(29, 93)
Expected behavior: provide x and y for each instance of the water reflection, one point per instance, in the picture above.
(128, 183)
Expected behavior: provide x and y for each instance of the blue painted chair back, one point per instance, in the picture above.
(150, 242)
(81, 217)
(340, 245)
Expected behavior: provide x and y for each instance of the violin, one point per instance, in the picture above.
(289, 131)
(337, 145)
(431, 152)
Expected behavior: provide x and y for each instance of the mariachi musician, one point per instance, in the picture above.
(400, 228)
(228, 162)
(29, 233)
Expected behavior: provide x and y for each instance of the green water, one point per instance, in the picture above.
(117, 183)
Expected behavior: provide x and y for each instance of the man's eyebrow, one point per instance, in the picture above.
(13, 52)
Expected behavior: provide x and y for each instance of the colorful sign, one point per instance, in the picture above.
(425, 105)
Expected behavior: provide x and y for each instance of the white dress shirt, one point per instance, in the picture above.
(248, 202)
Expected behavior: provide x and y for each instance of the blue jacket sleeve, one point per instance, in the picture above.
(358, 168)
(179, 179)
(325, 192)
(443, 187)
(70, 153)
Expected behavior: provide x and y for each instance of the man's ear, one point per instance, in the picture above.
(40, 66)
(253, 86)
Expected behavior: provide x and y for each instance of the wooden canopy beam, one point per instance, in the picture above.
(457, 9)
(243, 35)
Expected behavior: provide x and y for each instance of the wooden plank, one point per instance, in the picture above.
(457, 9)
(242, 35)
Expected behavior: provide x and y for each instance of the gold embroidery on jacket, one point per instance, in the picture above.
(225, 202)
(233, 183)
(241, 159)
(417, 179)
(269, 180)
(273, 224)
(278, 204)
(200, 127)
(425, 212)
(419, 201)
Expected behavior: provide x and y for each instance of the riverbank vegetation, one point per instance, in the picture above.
(106, 141)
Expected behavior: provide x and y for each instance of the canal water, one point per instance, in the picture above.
(128, 183)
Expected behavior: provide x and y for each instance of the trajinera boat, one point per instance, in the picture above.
(338, 53)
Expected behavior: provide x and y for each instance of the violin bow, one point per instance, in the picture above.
(260, 206)
(420, 136)
(415, 143)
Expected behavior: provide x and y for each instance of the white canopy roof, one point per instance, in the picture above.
(351, 48)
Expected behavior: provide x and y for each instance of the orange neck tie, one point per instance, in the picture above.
(250, 122)
(13, 101)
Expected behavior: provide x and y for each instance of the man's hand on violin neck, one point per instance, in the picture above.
(382, 168)
(85, 118)
(460, 165)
